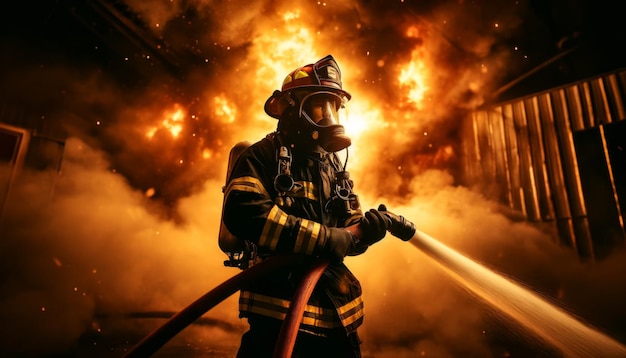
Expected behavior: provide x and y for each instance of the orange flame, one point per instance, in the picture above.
(172, 123)
(413, 78)
(224, 110)
(292, 40)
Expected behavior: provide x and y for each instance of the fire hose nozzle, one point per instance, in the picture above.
(400, 227)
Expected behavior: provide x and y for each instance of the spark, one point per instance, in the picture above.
(412, 32)
(150, 192)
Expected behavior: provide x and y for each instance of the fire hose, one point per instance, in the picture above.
(155, 340)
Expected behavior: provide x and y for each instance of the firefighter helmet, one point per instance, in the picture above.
(324, 75)
(308, 104)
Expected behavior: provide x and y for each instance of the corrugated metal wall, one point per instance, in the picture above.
(557, 157)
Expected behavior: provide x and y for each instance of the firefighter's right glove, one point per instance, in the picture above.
(338, 243)
(374, 226)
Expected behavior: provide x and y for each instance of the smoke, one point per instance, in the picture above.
(96, 247)
(85, 259)
(131, 223)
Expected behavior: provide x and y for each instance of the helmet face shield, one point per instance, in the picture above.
(322, 108)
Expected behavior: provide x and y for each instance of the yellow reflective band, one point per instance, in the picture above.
(274, 224)
(277, 308)
(308, 190)
(257, 297)
(307, 237)
(319, 317)
(351, 311)
(249, 184)
(300, 74)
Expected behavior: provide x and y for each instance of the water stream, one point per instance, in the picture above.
(557, 327)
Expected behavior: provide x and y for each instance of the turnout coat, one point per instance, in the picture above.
(292, 222)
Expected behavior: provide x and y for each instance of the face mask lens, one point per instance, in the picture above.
(323, 108)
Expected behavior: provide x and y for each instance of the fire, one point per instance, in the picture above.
(172, 122)
(413, 78)
(290, 45)
(293, 39)
(224, 109)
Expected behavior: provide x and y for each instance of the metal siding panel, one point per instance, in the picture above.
(499, 154)
(513, 160)
(554, 173)
(535, 136)
(467, 153)
(600, 102)
(485, 149)
(615, 95)
(571, 177)
(529, 192)
(586, 105)
(574, 108)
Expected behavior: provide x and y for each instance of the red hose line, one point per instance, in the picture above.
(289, 329)
(155, 340)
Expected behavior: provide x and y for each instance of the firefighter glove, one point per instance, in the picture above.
(338, 243)
(374, 226)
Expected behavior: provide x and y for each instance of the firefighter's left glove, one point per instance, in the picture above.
(374, 226)
(338, 243)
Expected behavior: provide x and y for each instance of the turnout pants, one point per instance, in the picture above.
(260, 341)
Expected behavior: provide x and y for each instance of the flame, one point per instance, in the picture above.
(224, 109)
(413, 78)
(172, 123)
(294, 39)
(292, 46)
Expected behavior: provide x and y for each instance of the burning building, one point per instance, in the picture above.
(116, 119)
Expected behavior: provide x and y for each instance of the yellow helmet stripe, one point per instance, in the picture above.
(300, 74)
(287, 79)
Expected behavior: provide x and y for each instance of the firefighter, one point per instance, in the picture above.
(290, 193)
